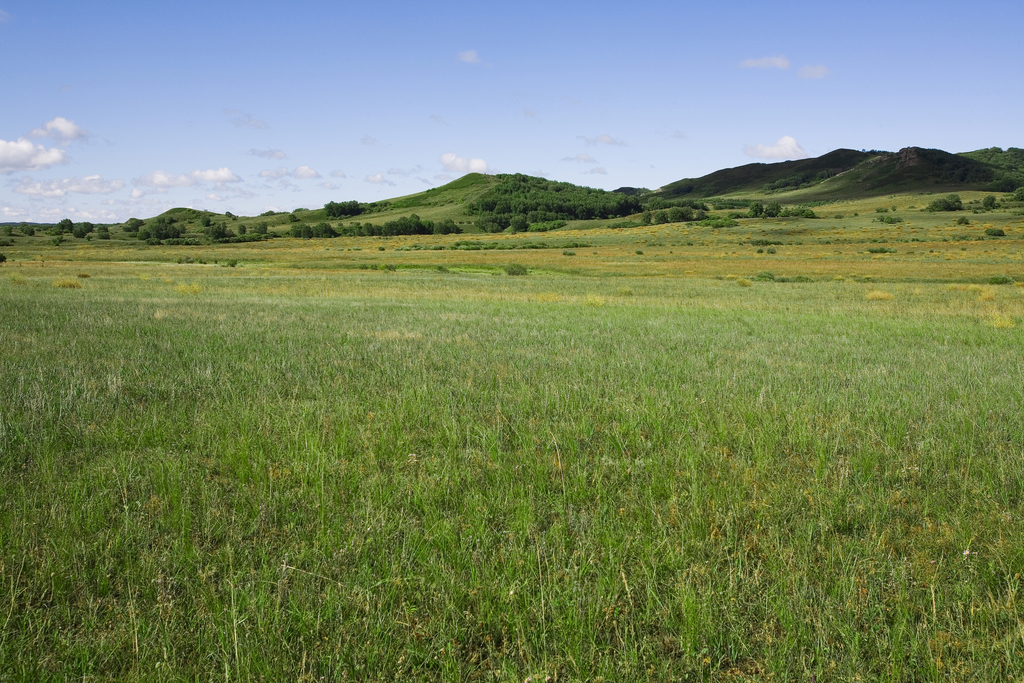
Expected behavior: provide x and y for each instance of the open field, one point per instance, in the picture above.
(621, 466)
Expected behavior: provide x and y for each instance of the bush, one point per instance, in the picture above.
(948, 203)
(963, 220)
(639, 252)
(1000, 280)
(995, 232)
(515, 269)
(765, 276)
(989, 202)
(28, 230)
(3, 257)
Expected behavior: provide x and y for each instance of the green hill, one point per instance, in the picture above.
(848, 174)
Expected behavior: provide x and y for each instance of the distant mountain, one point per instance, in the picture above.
(846, 173)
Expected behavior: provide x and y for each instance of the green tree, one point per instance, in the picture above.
(519, 223)
(772, 210)
(989, 202)
(66, 225)
(756, 210)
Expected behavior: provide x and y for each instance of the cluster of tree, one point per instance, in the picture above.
(775, 210)
(161, 228)
(537, 200)
(406, 225)
(79, 230)
(343, 209)
(950, 202)
(676, 214)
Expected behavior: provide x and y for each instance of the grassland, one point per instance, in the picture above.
(622, 466)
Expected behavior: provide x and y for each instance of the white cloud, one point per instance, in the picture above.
(678, 135)
(241, 119)
(73, 212)
(529, 113)
(582, 158)
(338, 174)
(378, 179)
(776, 62)
(599, 170)
(220, 175)
(214, 197)
(268, 153)
(330, 186)
(469, 57)
(814, 72)
(25, 155)
(368, 140)
(161, 180)
(92, 184)
(784, 148)
(305, 173)
(457, 164)
(442, 177)
(12, 211)
(60, 130)
(603, 139)
(436, 118)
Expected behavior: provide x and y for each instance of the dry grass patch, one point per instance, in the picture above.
(67, 283)
(879, 295)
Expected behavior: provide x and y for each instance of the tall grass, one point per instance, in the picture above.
(441, 477)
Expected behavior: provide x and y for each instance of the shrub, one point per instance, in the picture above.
(989, 202)
(948, 203)
(28, 230)
(744, 282)
(84, 276)
(765, 276)
(881, 250)
(515, 269)
(1000, 280)
(995, 232)
(771, 250)
(639, 252)
(963, 220)
(3, 258)
(568, 253)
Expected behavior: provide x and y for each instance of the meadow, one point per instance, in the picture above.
(646, 459)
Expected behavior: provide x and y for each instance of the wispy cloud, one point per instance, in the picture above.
(784, 148)
(599, 170)
(469, 57)
(161, 180)
(60, 130)
(91, 184)
(268, 153)
(378, 179)
(24, 155)
(581, 158)
(455, 164)
(436, 118)
(368, 140)
(330, 186)
(300, 173)
(603, 139)
(776, 62)
(241, 119)
(814, 72)
(4, 17)
(338, 174)
(529, 113)
(405, 171)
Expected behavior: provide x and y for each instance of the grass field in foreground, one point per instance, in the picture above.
(269, 473)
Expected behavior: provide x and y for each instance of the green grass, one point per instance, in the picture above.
(263, 474)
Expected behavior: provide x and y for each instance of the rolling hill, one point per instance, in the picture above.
(849, 174)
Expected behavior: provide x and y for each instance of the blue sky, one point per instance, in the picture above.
(119, 109)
